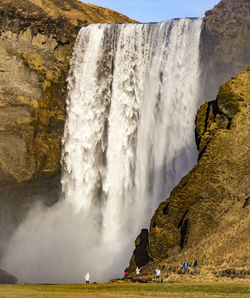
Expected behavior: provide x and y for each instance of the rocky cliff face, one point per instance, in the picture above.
(225, 46)
(207, 215)
(36, 41)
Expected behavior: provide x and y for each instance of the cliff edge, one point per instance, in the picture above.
(207, 215)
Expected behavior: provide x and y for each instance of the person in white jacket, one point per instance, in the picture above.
(87, 278)
(137, 271)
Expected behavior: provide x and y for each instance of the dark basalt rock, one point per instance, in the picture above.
(140, 255)
(141, 250)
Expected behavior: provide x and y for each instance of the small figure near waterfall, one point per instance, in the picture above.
(157, 273)
(185, 267)
(137, 272)
(126, 273)
(87, 278)
(195, 266)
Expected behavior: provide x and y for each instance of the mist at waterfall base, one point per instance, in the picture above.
(133, 92)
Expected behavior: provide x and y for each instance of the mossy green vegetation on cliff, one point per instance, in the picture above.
(207, 215)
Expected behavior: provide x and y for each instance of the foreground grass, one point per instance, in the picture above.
(230, 289)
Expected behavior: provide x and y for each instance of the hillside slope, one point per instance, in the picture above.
(79, 13)
(207, 216)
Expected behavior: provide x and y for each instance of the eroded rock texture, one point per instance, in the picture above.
(225, 45)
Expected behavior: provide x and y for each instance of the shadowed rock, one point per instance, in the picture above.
(7, 278)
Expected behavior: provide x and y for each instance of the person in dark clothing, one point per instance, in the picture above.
(195, 266)
(126, 273)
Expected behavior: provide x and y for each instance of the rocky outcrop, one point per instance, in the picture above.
(36, 41)
(225, 47)
(140, 256)
(6, 278)
(207, 215)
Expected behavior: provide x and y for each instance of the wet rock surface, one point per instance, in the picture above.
(7, 278)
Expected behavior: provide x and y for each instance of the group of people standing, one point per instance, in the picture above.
(157, 271)
(137, 272)
(186, 266)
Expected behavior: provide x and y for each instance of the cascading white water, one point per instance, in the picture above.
(129, 135)
(128, 140)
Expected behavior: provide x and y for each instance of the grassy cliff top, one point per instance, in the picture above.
(75, 11)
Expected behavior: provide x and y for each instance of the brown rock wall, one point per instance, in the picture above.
(225, 45)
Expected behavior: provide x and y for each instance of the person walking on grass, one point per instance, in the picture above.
(195, 266)
(157, 273)
(185, 267)
(126, 273)
(137, 271)
(87, 278)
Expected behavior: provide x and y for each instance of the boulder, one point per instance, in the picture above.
(7, 278)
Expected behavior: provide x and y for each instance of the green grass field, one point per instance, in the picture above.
(230, 289)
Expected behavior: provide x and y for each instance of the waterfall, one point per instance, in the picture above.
(129, 134)
(133, 92)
